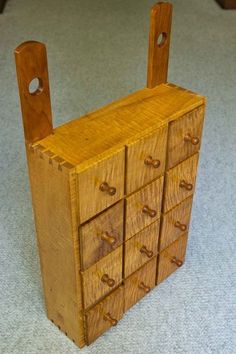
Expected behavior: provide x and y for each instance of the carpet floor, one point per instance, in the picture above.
(97, 52)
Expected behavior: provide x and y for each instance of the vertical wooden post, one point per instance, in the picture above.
(159, 42)
(31, 64)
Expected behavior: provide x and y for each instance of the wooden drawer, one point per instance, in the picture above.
(175, 223)
(143, 207)
(140, 283)
(146, 159)
(180, 182)
(101, 185)
(172, 258)
(184, 136)
(102, 277)
(101, 235)
(141, 248)
(104, 315)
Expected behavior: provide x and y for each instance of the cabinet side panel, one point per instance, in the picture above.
(53, 188)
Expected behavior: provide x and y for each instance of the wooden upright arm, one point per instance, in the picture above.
(31, 63)
(159, 42)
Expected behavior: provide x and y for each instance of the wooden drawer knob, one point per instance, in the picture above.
(177, 261)
(144, 287)
(109, 281)
(185, 185)
(180, 226)
(104, 187)
(148, 253)
(149, 161)
(146, 210)
(108, 238)
(194, 140)
(109, 318)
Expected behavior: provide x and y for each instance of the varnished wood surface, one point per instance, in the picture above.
(136, 283)
(165, 264)
(93, 286)
(141, 248)
(96, 322)
(185, 171)
(158, 55)
(54, 201)
(101, 235)
(31, 63)
(190, 125)
(175, 223)
(151, 147)
(150, 196)
(91, 199)
(82, 140)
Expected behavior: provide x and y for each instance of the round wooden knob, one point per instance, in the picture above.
(146, 210)
(180, 226)
(108, 238)
(149, 161)
(185, 185)
(144, 287)
(194, 140)
(109, 318)
(109, 281)
(177, 261)
(148, 253)
(104, 187)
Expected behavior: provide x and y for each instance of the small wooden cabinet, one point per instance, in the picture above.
(112, 191)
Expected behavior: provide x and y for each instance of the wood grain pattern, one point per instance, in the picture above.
(175, 223)
(158, 55)
(54, 200)
(111, 171)
(134, 285)
(96, 322)
(31, 63)
(93, 286)
(150, 196)
(185, 171)
(80, 140)
(138, 172)
(176, 250)
(134, 257)
(94, 244)
(180, 148)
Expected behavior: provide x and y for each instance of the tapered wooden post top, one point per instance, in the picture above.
(159, 42)
(33, 82)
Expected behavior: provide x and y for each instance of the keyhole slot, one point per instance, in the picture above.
(35, 86)
(161, 39)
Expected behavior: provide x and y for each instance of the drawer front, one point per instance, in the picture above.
(141, 248)
(101, 235)
(101, 185)
(102, 277)
(184, 136)
(180, 182)
(140, 283)
(175, 223)
(143, 207)
(146, 159)
(104, 315)
(172, 258)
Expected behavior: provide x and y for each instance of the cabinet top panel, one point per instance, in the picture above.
(82, 141)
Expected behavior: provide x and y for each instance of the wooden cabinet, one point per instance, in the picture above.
(112, 191)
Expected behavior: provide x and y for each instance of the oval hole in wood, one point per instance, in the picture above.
(161, 39)
(36, 86)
